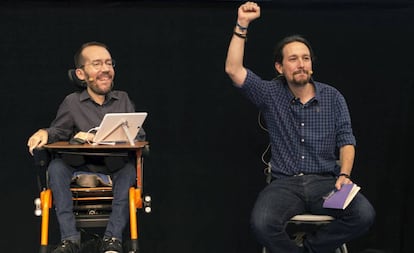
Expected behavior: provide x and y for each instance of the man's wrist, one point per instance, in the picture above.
(239, 30)
(344, 175)
(243, 22)
(242, 34)
(241, 27)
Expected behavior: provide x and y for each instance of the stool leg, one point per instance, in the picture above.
(342, 249)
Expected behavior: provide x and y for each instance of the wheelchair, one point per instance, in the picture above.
(92, 205)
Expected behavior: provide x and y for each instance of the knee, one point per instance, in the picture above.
(130, 170)
(365, 213)
(59, 173)
(258, 226)
(263, 224)
(126, 174)
(58, 169)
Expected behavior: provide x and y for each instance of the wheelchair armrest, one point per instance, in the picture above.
(41, 157)
(146, 150)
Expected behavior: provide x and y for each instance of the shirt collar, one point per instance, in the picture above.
(85, 96)
(318, 90)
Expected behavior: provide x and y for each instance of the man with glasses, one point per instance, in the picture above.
(78, 113)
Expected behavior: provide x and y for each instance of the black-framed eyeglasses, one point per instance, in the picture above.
(98, 64)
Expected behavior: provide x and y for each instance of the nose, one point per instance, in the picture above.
(301, 63)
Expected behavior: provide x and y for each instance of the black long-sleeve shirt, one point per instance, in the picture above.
(78, 112)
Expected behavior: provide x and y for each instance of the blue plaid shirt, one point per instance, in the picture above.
(304, 138)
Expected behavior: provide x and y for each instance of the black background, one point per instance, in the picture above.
(204, 170)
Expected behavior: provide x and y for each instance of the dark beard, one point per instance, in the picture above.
(95, 88)
(302, 82)
(98, 91)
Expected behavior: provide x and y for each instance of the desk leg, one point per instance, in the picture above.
(138, 155)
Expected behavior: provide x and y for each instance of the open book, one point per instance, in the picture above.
(341, 199)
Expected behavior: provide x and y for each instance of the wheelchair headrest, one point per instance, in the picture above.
(72, 77)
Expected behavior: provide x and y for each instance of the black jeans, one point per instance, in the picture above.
(287, 197)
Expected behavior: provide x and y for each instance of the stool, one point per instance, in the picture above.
(301, 224)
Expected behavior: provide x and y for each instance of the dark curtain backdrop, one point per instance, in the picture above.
(204, 170)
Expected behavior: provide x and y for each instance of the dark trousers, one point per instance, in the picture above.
(60, 177)
(287, 197)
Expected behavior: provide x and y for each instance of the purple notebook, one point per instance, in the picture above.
(341, 199)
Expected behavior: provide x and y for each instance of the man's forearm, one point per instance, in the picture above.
(346, 158)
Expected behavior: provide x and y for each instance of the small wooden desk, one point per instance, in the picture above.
(66, 145)
(102, 150)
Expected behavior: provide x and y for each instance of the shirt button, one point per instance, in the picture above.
(302, 124)
(302, 140)
(303, 157)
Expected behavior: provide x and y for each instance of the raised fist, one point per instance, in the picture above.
(248, 12)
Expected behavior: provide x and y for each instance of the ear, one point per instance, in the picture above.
(80, 74)
(279, 68)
